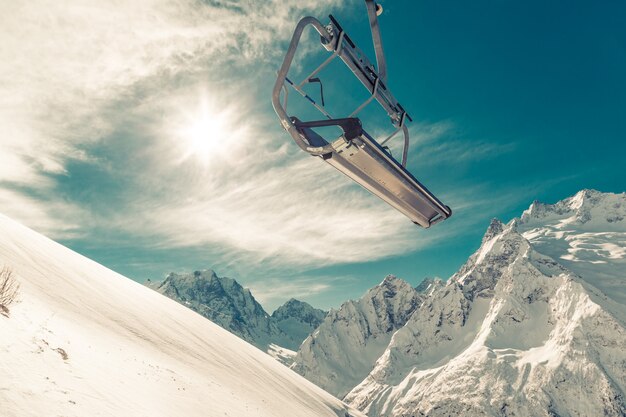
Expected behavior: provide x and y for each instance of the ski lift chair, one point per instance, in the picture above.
(355, 153)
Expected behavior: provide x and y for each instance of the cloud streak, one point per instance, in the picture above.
(439, 143)
(92, 75)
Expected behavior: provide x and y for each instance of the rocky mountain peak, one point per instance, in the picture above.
(298, 319)
(495, 228)
(301, 310)
(355, 335)
(428, 285)
(479, 275)
(390, 287)
(390, 280)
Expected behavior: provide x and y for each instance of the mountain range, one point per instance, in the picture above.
(533, 324)
(225, 302)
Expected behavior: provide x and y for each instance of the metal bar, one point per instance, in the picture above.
(363, 69)
(305, 95)
(381, 63)
(281, 112)
(366, 102)
(395, 132)
(285, 96)
(326, 62)
(350, 126)
(318, 69)
(405, 151)
(405, 148)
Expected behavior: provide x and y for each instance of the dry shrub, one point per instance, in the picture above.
(9, 288)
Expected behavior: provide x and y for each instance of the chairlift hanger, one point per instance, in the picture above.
(355, 153)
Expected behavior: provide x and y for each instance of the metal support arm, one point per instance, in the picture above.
(350, 126)
(381, 64)
(285, 120)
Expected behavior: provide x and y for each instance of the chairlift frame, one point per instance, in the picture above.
(355, 152)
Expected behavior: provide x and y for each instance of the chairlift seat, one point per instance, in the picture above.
(355, 153)
(370, 165)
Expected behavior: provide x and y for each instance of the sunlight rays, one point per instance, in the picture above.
(208, 133)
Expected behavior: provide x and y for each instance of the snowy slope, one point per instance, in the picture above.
(516, 332)
(85, 341)
(342, 351)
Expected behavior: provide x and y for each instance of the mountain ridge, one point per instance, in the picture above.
(225, 302)
(337, 355)
(515, 331)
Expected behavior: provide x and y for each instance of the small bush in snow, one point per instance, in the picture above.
(9, 289)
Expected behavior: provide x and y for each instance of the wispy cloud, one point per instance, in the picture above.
(94, 75)
(441, 143)
(64, 64)
(43, 214)
(271, 292)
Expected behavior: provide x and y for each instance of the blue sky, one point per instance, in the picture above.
(105, 110)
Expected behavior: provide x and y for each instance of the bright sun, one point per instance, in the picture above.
(204, 136)
(209, 134)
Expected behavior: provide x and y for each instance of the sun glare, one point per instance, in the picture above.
(204, 136)
(206, 133)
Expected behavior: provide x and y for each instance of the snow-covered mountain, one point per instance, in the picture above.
(225, 302)
(343, 349)
(298, 320)
(427, 286)
(531, 325)
(585, 233)
(85, 341)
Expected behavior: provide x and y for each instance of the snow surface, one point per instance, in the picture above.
(585, 233)
(85, 341)
(281, 354)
